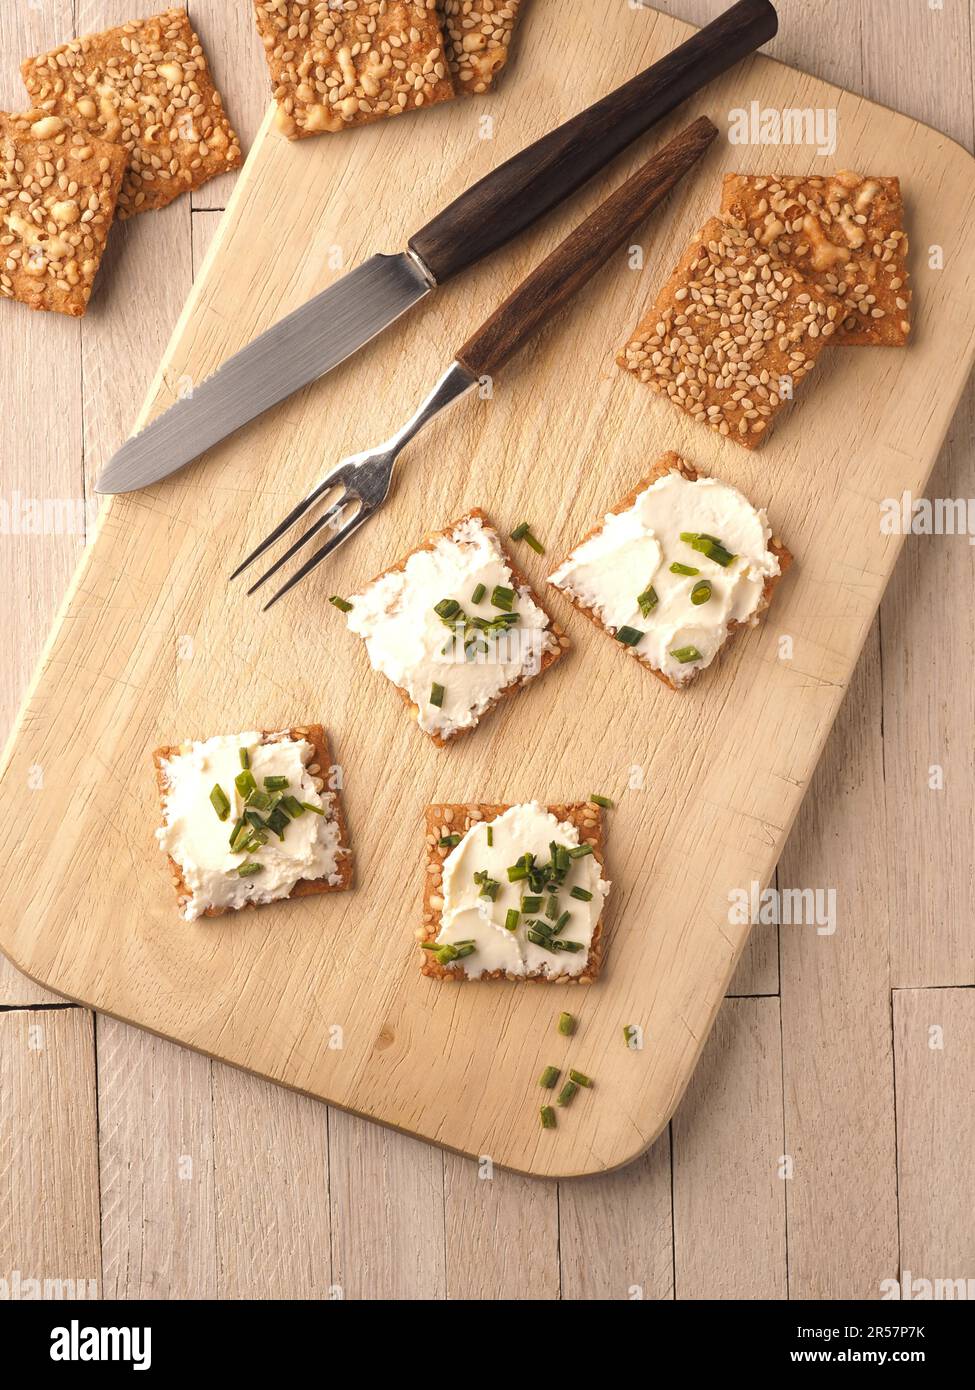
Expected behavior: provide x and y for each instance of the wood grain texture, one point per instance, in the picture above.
(155, 575)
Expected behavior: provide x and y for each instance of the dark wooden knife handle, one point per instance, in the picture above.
(580, 255)
(524, 188)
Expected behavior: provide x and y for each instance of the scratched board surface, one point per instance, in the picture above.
(152, 645)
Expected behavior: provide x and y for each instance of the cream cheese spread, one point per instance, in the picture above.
(467, 916)
(634, 551)
(411, 644)
(199, 841)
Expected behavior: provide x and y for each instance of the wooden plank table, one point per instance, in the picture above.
(158, 1173)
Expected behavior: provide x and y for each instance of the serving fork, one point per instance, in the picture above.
(356, 489)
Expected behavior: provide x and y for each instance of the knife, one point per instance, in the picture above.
(329, 328)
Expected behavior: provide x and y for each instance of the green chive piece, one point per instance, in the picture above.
(319, 810)
(466, 948)
(602, 801)
(567, 1092)
(278, 821)
(490, 889)
(511, 919)
(580, 1078)
(709, 546)
(701, 592)
(503, 597)
(648, 601)
(580, 851)
(446, 953)
(517, 872)
(573, 946)
(261, 801)
(538, 938)
(447, 608)
(530, 903)
(449, 841)
(249, 869)
(552, 907)
(677, 568)
(245, 758)
(561, 922)
(566, 1025)
(292, 806)
(342, 604)
(629, 636)
(686, 654)
(253, 820)
(479, 591)
(582, 894)
(437, 693)
(523, 532)
(490, 837)
(245, 784)
(239, 836)
(275, 784)
(220, 802)
(548, 1117)
(549, 1077)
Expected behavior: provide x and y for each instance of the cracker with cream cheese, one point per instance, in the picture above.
(475, 658)
(445, 822)
(635, 557)
(317, 767)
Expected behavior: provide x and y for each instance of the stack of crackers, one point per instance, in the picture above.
(121, 123)
(792, 265)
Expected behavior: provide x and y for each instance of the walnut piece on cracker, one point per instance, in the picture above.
(731, 334)
(146, 86)
(339, 65)
(478, 38)
(845, 234)
(58, 191)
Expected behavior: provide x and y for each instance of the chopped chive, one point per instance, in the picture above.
(552, 907)
(490, 837)
(511, 919)
(261, 801)
(582, 894)
(446, 953)
(517, 872)
(447, 608)
(678, 568)
(479, 591)
(538, 939)
(709, 546)
(293, 806)
(239, 826)
(245, 758)
(566, 1025)
(566, 1093)
(549, 1077)
(530, 903)
(319, 810)
(245, 784)
(548, 1117)
(275, 784)
(701, 592)
(449, 841)
(503, 597)
(254, 820)
(686, 654)
(490, 889)
(523, 532)
(580, 1078)
(250, 868)
(648, 601)
(466, 948)
(437, 693)
(629, 636)
(560, 922)
(573, 946)
(278, 821)
(602, 801)
(342, 604)
(580, 851)
(220, 802)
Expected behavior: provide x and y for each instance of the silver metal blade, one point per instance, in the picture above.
(298, 350)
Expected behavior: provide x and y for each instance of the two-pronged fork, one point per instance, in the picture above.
(359, 485)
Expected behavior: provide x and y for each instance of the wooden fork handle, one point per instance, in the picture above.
(575, 260)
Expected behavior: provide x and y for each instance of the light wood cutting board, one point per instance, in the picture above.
(153, 646)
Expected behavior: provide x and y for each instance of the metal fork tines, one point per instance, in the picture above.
(362, 484)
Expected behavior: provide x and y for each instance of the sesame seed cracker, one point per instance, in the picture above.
(341, 63)
(731, 334)
(478, 39)
(146, 86)
(58, 190)
(845, 233)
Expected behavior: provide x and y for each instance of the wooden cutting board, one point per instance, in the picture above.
(152, 645)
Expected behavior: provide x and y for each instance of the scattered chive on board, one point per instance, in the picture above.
(549, 1077)
(567, 1092)
(342, 604)
(523, 532)
(566, 1025)
(580, 1078)
(548, 1117)
(602, 801)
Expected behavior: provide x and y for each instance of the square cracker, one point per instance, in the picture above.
(305, 887)
(333, 67)
(845, 234)
(145, 85)
(58, 190)
(548, 657)
(450, 819)
(478, 37)
(672, 463)
(727, 327)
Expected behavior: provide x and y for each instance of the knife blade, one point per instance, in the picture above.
(336, 323)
